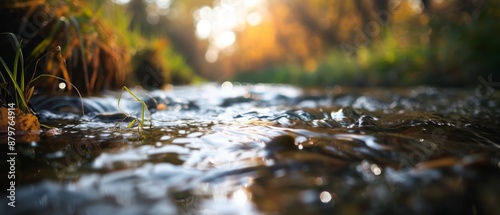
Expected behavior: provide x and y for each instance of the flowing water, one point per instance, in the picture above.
(264, 149)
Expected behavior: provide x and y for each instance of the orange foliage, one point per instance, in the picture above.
(279, 38)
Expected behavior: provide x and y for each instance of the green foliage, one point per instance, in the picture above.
(180, 72)
(15, 77)
(141, 122)
(22, 91)
(169, 62)
(462, 48)
(158, 64)
(95, 55)
(97, 42)
(457, 50)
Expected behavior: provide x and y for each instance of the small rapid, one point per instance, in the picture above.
(264, 149)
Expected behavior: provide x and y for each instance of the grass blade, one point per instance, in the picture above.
(82, 50)
(13, 74)
(40, 48)
(16, 86)
(131, 123)
(144, 109)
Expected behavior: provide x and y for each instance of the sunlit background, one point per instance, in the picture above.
(305, 43)
(392, 42)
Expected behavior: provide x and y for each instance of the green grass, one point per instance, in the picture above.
(141, 122)
(21, 92)
(15, 74)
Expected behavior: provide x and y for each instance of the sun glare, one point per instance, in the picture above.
(218, 24)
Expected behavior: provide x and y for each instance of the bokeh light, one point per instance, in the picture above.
(218, 24)
(62, 86)
(325, 197)
(254, 18)
(121, 1)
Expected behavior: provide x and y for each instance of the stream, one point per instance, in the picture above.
(263, 149)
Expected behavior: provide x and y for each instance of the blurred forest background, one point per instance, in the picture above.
(159, 43)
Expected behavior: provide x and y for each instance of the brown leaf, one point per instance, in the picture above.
(28, 93)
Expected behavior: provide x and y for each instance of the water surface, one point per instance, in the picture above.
(265, 149)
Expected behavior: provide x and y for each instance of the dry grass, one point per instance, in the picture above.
(94, 56)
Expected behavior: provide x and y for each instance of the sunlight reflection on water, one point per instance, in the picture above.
(251, 149)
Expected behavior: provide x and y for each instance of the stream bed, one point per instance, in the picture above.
(263, 149)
